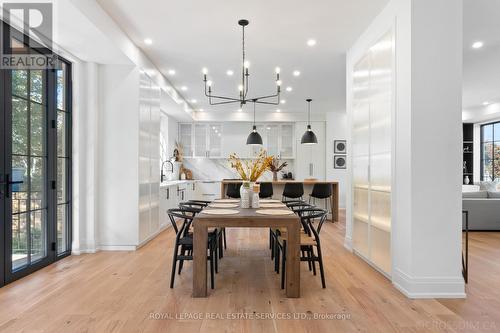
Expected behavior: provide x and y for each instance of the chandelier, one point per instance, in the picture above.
(243, 87)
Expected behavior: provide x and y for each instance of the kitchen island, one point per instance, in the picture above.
(278, 186)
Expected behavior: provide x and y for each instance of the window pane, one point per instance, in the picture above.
(487, 133)
(61, 134)
(36, 80)
(487, 170)
(19, 126)
(38, 231)
(62, 241)
(19, 241)
(19, 191)
(37, 194)
(20, 83)
(487, 151)
(496, 132)
(37, 130)
(61, 85)
(61, 180)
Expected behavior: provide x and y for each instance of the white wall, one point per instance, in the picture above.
(118, 124)
(426, 221)
(336, 129)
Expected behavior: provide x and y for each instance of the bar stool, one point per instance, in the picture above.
(321, 191)
(266, 190)
(233, 190)
(293, 191)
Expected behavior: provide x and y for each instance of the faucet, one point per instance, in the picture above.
(162, 177)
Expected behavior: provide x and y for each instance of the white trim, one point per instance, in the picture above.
(348, 243)
(144, 242)
(428, 287)
(117, 248)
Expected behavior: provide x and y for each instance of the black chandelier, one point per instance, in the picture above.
(243, 87)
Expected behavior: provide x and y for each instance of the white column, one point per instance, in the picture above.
(426, 209)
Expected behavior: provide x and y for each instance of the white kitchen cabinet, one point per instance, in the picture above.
(207, 190)
(186, 138)
(287, 141)
(310, 159)
(272, 141)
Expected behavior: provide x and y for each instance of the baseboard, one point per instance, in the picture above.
(86, 251)
(429, 287)
(348, 243)
(144, 242)
(117, 247)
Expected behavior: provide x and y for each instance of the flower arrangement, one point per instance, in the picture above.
(276, 167)
(251, 170)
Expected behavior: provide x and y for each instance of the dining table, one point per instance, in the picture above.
(246, 218)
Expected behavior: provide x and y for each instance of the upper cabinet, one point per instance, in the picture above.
(201, 139)
(215, 140)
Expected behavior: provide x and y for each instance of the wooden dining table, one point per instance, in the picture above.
(246, 218)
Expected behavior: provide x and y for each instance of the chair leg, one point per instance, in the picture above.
(220, 244)
(313, 261)
(321, 270)
(212, 275)
(276, 257)
(271, 235)
(224, 235)
(215, 251)
(181, 262)
(283, 264)
(308, 262)
(174, 263)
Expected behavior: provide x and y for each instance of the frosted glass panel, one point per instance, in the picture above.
(372, 99)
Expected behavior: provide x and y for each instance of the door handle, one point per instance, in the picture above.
(7, 184)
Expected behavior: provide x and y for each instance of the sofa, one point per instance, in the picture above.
(483, 208)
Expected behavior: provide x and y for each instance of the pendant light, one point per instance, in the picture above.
(254, 138)
(309, 138)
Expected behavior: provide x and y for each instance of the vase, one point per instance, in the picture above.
(275, 176)
(246, 195)
(466, 180)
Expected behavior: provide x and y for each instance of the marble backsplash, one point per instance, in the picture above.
(218, 169)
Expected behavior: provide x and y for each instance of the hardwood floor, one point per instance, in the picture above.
(129, 292)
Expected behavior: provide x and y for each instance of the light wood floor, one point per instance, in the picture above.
(129, 292)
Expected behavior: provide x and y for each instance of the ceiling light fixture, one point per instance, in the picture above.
(296, 73)
(184, 88)
(311, 42)
(243, 88)
(229, 72)
(309, 138)
(254, 137)
(171, 72)
(486, 103)
(148, 41)
(477, 45)
(283, 101)
(289, 89)
(194, 101)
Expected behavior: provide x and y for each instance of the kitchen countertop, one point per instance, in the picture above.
(284, 181)
(179, 182)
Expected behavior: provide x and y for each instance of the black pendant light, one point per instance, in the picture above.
(254, 138)
(309, 138)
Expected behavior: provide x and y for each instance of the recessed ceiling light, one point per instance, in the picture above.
(229, 72)
(278, 110)
(486, 103)
(194, 101)
(296, 73)
(171, 72)
(201, 110)
(311, 42)
(477, 45)
(239, 110)
(184, 88)
(289, 89)
(283, 101)
(268, 128)
(148, 41)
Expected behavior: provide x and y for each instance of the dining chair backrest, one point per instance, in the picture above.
(196, 206)
(203, 202)
(184, 213)
(293, 190)
(321, 191)
(310, 214)
(233, 190)
(266, 190)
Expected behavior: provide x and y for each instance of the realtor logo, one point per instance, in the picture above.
(27, 41)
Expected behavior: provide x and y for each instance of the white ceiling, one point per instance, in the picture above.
(191, 34)
(481, 66)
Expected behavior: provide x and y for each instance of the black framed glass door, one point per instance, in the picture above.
(35, 167)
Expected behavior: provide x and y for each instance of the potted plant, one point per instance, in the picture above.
(276, 167)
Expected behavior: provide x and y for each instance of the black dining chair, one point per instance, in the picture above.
(233, 190)
(309, 240)
(293, 191)
(321, 191)
(183, 246)
(266, 190)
